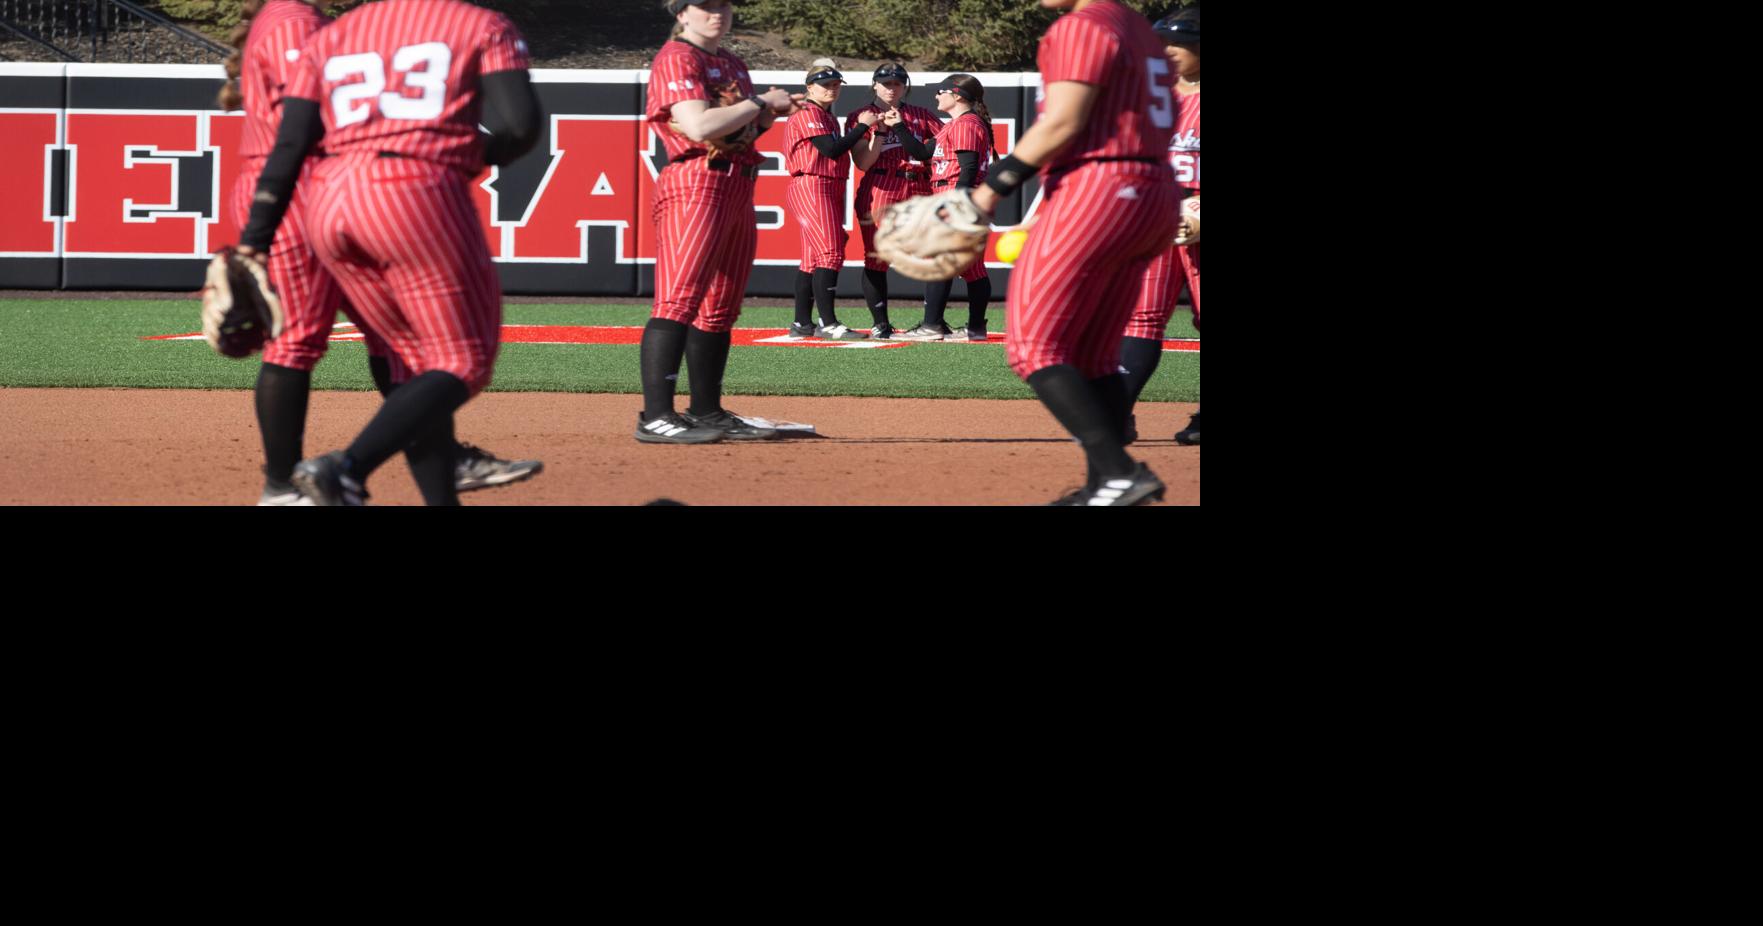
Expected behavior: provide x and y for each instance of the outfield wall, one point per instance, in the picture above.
(119, 177)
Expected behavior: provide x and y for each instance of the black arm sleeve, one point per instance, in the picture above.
(910, 142)
(301, 129)
(969, 167)
(511, 113)
(831, 147)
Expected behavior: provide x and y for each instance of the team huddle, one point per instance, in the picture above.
(337, 167)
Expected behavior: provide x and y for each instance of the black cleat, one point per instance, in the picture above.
(731, 425)
(673, 429)
(322, 479)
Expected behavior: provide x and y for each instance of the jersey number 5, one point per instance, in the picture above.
(1162, 107)
(353, 103)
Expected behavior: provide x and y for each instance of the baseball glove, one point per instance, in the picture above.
(240, 310)
(1188, 232)
(741, 139)
(932, 237)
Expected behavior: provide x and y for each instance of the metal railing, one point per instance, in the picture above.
(99, 30)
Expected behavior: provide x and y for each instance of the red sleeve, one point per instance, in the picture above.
(504, 49)
(1080, 50)
(303, 78)
(676, 77)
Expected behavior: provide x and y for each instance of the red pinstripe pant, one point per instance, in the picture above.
(1079, 275)
(875, 192)
(402, 238)
(310, 295)
(706, 235)
(818, 206)
(1164, 279)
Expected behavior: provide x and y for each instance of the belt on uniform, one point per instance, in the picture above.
(1087, 161)
(720, 166)
(392, 154)
(909, 174)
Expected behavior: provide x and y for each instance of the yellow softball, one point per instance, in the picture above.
(1010, 245)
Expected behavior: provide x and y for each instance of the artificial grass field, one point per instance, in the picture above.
(97, 343)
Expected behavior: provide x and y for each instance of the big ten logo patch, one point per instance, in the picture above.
(150, 182)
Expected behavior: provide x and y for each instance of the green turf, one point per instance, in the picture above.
(76, 342)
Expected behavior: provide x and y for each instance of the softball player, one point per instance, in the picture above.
(958, 156)
(1142, 347)
(819, 163)
(890, 175)
(269, 38)
(396, 90)
(1101, 144)
(705, 224)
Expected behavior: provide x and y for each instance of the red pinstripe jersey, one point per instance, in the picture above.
(1184, 147)
(272, 49)
(683, 71)
(966, 132)
(924, 123)
(1112, 48)
(402, 76)
(802, 157)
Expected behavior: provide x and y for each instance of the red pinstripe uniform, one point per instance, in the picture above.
(895, 176)
(706, 230)
(1180, 264)
(310, 296)
(391, 213)
(1109, 203)
(817, 189)
(966, 132)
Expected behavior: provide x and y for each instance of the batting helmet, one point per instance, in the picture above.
(1180, 28)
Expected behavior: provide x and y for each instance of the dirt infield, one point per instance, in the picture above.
(192, 447)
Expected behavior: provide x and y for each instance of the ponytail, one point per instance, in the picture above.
(231, 97)
(975, 94)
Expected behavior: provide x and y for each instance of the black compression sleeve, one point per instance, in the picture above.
(969, 167)
(301, 129)
(511, 113)
(831, 147)
(910, 142)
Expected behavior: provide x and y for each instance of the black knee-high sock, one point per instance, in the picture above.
(664, 345)
(979, 292)
(432, 459)
(1076, 403)
(936, 300)
(381, 370)
(282, 394)
(804, 298)
(826, 286)
(412, 410)
(1112, 389)
(875, 295)
(1140, 356)
(706, 359)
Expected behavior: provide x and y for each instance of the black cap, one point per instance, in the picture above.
(890, 72)
(949, 84)
(826, 76)
(1181, 28)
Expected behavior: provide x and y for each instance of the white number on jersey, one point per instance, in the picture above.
(432, 81)
(1187, 168)
(344, 98)
(1162, 107)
